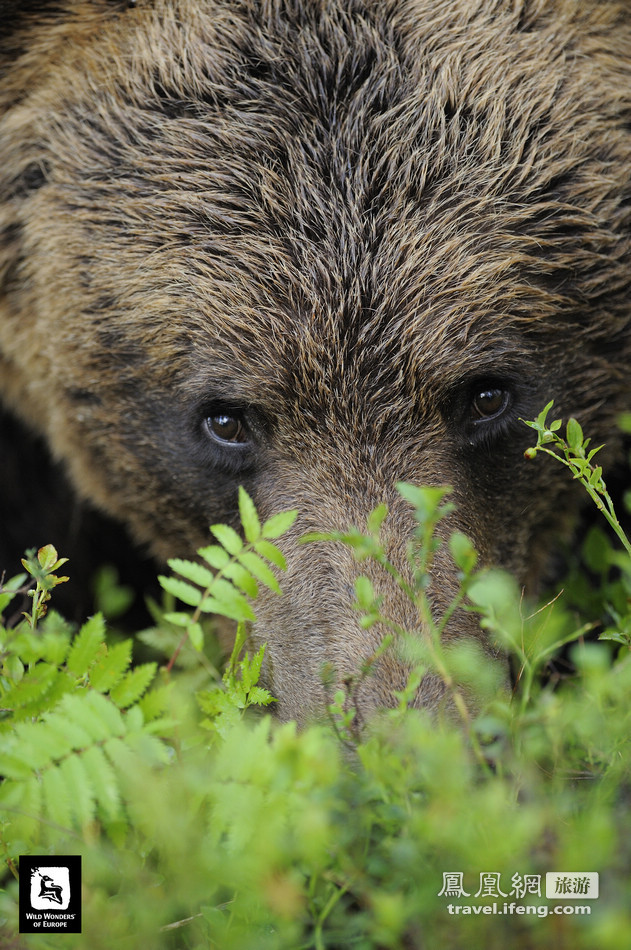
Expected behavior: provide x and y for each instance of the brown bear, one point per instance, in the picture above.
(315, 247)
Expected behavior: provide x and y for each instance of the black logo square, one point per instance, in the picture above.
(50, 893)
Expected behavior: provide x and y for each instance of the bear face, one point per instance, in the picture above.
(316, 249)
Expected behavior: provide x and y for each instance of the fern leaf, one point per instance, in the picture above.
(85, 646)
(259, 568)
(242, 578)
(154, 703)
(192, 571)
(177, 617)
(215, 555)
(249, 517)
(120, 755)
(271, 552)
(95, 713)
(151, 748)
(196, 636)
(54, 647)
(111, 666)
(35, 683)
(62, 684)
(251, 669)
(101, 775)
(228, 602)
(70, 730)
(227, 537)
(130, 689)
(278, 524)
(14, 767)
(76, 778)
(31, 745)
(57, 802)
(258, 696)
(22, 801)
(26, 708)
(31, 647)
(182, 590)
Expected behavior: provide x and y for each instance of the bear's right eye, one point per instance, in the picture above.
(489, 402)
(227, 428)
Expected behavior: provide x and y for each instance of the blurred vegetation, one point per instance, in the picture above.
(204, 823)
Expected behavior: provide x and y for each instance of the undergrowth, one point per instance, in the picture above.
(204, 823)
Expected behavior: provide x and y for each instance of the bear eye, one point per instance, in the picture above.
(228, 428)
(489, 402)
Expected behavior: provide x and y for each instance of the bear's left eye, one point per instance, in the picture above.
(228, 428)
(488, 402)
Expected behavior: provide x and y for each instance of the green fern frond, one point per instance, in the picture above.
(110, 666)
(129, 690)
(86, 645)
(80, 755)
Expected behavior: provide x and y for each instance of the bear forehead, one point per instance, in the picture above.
(342, 189)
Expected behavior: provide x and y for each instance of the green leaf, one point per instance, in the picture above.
(57, 797)
(427, 500)
(33, 685)
(258, 696)
(154, 703)
(541, 418)
(47, 557)
(10, 589)
(75, 777)
(178, 618)
(259, 568)
(86, 645)
(278, 524)
(228, 537)
(196, 636)
(54, 646)
(102, 778)
(133, 685)
(192, 571)
(376, 519)
(69, 729)
(182, 590)
(251, 669)
(94, 713)
(227, 600)
(242, 578)
(272, 553)
(215, 555)
(574, 435)
(111, 666)
(365, 593)
(15, 767)
(13, 668)
(463, 552)
(249, 517)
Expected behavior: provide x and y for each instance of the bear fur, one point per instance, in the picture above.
(315, 247)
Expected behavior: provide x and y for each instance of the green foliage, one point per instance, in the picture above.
(575, 456)
(234, 571)
(203, 827)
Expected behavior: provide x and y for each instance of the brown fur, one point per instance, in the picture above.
(340, 219)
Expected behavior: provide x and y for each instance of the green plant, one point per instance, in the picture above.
(578, 457)
(201, 827)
